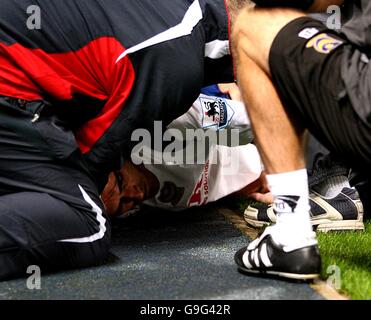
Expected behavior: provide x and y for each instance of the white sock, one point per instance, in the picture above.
(332, 186)
(291, 203)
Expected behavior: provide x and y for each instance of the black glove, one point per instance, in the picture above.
(297, 4)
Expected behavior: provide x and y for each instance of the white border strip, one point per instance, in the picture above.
(192, 17)
(100, 218)
(217, 49)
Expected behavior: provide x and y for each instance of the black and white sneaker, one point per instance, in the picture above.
(344, 212)
(265, 256)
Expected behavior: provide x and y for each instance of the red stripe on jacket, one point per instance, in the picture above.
(32, 74)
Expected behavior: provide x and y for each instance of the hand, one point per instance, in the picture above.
(262, 197)
(258, 191)
(232, 90)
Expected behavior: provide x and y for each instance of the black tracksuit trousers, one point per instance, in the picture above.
(51, 214)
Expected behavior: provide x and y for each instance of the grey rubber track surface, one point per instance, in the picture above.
(165, 256)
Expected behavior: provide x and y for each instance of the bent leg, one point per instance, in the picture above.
(254, 32)
(308, 78)
(280, 141)
(46, 196)
(274, 130)
(38, 229)
(289, 81)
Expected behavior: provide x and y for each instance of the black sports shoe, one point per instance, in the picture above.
(344, 212)
(265, 256)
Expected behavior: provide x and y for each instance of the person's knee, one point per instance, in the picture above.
(255, 30)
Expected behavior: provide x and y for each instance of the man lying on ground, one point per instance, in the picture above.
(178, 186)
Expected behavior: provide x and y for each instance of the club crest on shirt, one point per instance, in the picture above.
(215, 113)
(323, 43)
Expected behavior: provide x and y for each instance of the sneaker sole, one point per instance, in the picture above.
(345, 225)
(322, 225)
(256, 223)
(286, 275)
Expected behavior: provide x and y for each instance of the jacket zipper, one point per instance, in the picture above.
(37, 113)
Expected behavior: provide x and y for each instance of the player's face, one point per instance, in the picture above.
(128, 188)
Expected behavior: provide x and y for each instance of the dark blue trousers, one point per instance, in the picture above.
(51, 214)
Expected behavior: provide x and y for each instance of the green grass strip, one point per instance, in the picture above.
(347, 256)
